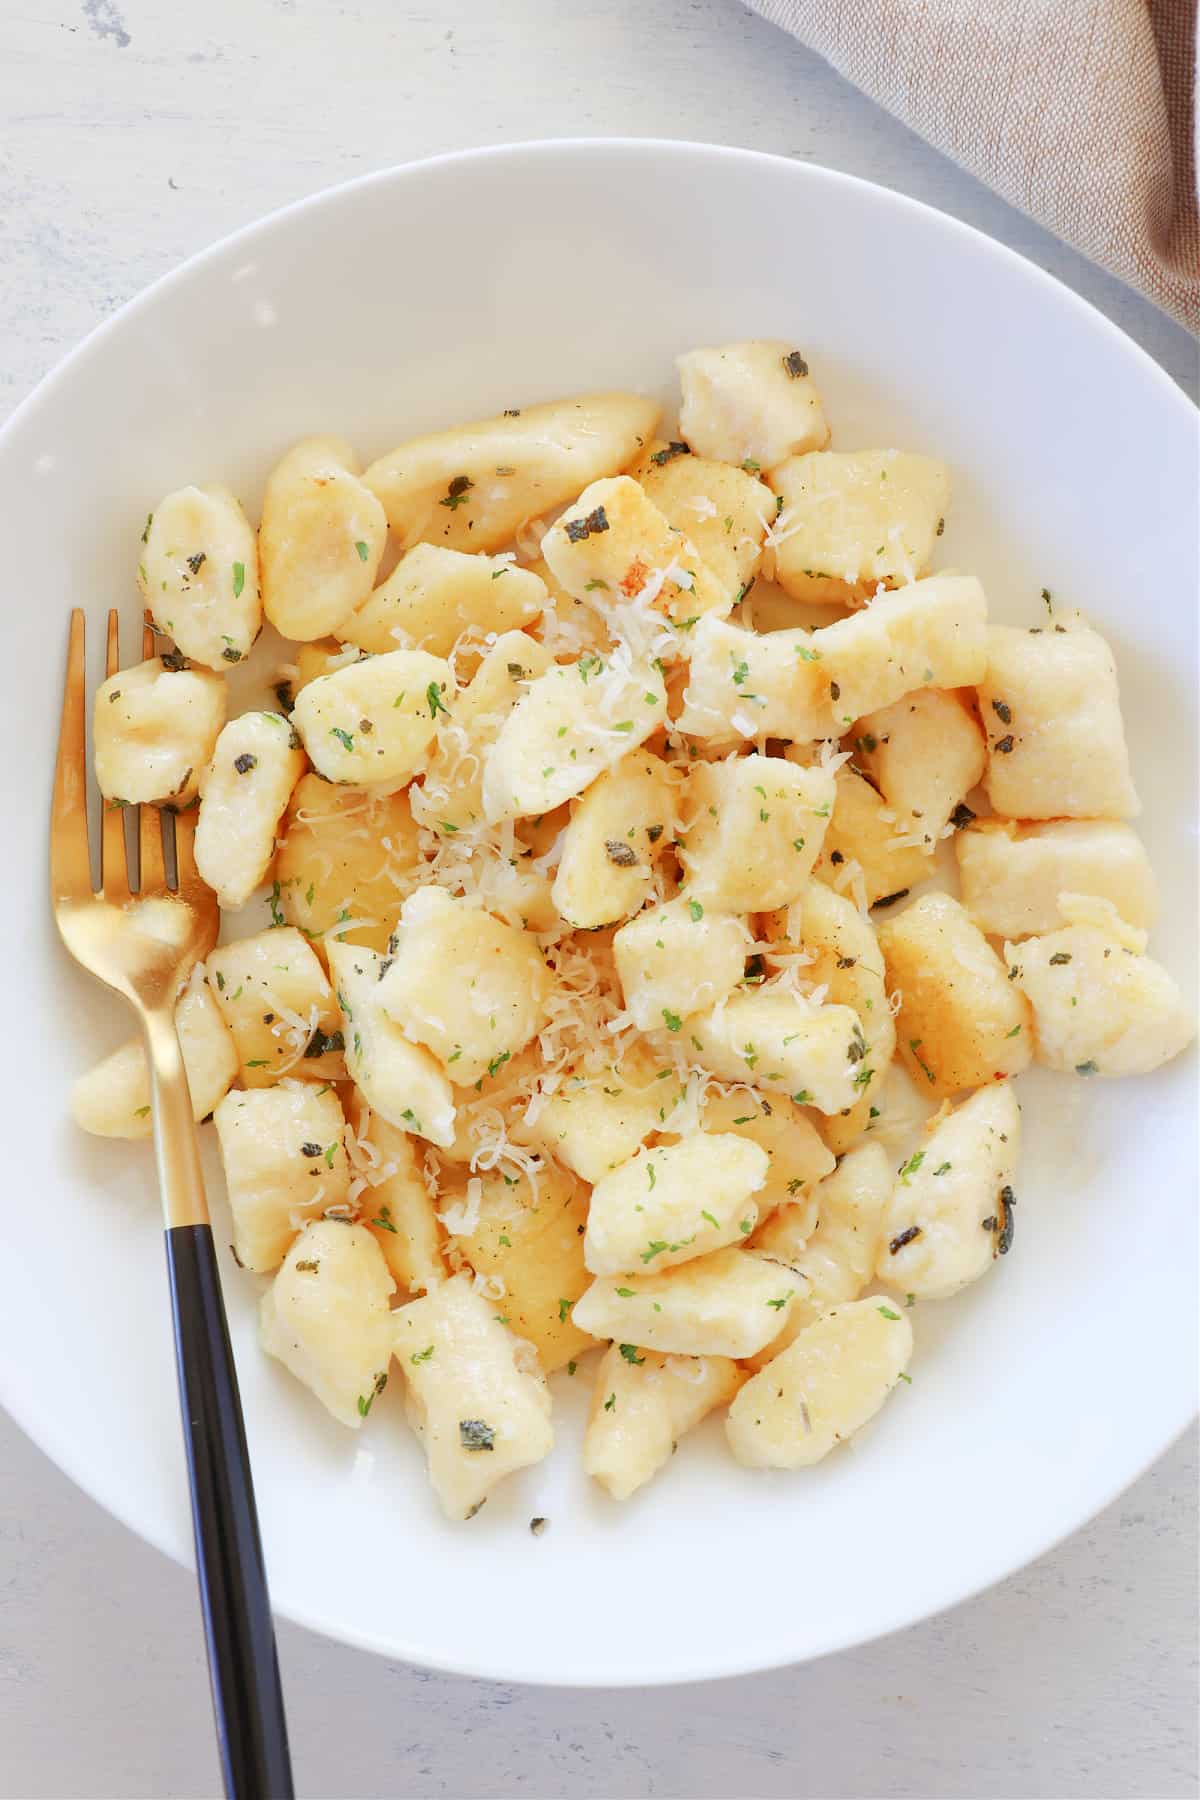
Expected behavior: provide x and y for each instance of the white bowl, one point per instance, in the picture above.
(449, 290)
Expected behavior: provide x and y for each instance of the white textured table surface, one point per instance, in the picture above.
(137, 131)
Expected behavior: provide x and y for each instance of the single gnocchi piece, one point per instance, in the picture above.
(962, 1022)
(320, 540)
(796, 1157)
(1012, 875)
(326, 1317)
(727, 1304)
(284, 1153)
(592, 1124)
(746, 684)
(397, 1206)
(613, 545)
(113, 1099)
(277, 1002)
(852, 520)
(679, 958)
(370, 724)
(479, 1415)
(950, 1213)
(754, 404)
(469, 988)
(619, 828)
(1100, 1006)
(449, 797)
(823, 1388)
(474, 486)
(724, 511)
(346, 860)
(434, 596)
(675, 1202)
(778, 1042)
(154, 727)
(848, 963)
(751, 830)
(924, 753)
(642, 1406)
(1056, 739)
(526, 1247)
(867, 838)
(399, 1080)
(930, 633)
(198, 575)
(571, 724)
(244, 791)
(836, 1258)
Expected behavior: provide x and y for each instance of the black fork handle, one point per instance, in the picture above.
(243, 1667)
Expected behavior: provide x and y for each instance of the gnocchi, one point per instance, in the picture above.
(401, 1081)
(961, 1022)
(642, 1406)
(1100, 1005)
(198, 575)
(478, 1413)
(154, 728)
(370, 724)
(674, 1203)
(256, 762)
(852, 521)
(435, 596)
(322, 534)
(1012, 875)
(604, 889)
(751, 404)
(284, 1154)
(326, 1317)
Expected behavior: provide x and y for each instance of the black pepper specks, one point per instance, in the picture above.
(962, 816)
(906, 1236)
(1004, 746)
(669, 452)
(1002, 710)
(622, 854)
(245, 762)
(795, 364)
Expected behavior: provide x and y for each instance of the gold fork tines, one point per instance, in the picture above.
(141, 938)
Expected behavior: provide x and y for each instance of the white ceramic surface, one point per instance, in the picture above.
(449, 289)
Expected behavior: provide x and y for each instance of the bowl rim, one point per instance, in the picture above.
(43, 1431)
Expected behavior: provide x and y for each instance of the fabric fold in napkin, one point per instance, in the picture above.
(1080, 112)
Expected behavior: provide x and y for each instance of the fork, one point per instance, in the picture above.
(143, 942)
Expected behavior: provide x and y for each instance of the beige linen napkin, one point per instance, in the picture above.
(1080, 112)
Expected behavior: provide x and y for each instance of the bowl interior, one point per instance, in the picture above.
(447, 291)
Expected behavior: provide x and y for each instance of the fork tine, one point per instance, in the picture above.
(70, 859)
(114, 871)
(151, 871)
(185, 857)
